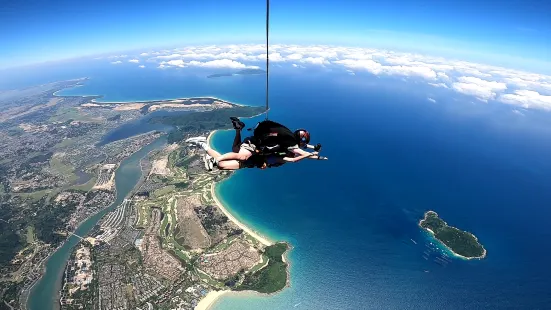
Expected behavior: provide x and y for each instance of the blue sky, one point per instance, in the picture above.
(508, 32)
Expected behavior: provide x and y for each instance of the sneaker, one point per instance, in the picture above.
(212, 162)
(206, 162)
(237, 124)
(209, 162)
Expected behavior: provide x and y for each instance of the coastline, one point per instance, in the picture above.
(95, 98)
(431, 233)
(265, 241)
(210, 299)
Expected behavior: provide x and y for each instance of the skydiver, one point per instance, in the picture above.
(245, 154)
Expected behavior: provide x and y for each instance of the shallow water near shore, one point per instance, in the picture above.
(392, 156)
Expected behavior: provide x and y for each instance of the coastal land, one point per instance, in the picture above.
(460, 243)
(169, 243)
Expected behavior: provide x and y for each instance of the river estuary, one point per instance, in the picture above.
(45, 293)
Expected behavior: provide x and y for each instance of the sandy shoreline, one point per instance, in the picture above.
(210, 299)
(255, 235)
(212, 296)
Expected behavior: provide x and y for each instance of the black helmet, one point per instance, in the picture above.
(302, 136)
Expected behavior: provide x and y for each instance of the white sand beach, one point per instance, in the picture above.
(255, 235)
(209, 299)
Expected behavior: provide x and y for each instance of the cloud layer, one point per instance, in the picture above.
(483, 82)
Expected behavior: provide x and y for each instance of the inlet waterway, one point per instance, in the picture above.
(45, 294)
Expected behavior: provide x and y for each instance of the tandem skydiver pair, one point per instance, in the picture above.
(271, 145)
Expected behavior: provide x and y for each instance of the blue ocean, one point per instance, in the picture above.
(393, 154)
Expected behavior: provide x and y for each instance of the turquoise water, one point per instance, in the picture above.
(392, 156)
(138, 126)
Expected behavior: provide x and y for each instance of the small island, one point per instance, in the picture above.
(241, 72)
(461, 243)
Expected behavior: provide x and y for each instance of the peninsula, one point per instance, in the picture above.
(461, 243)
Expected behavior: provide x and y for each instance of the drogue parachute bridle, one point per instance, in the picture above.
(318, 146)
(267, 54)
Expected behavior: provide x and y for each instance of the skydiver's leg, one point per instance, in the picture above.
(236, 141)
(246, 150)
(212, 152)
(229, 165)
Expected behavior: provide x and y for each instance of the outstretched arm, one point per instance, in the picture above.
(301, 152)
(299, 158)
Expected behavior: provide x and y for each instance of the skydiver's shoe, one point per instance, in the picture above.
(237, 124)
(210, 162)
(206, 162)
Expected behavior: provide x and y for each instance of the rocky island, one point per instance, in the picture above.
(461, 243)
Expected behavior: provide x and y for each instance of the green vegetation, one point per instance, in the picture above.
(259, 265)
(10, 242)
(59, 166)
(65, 114)
(52, 218)
(65, 142)
(162, 191)
(204, 121)
(86, 186)
(35, 196)
(271, 278)
(460, 242)
(40, 158)
(30, 234)
(143, 215)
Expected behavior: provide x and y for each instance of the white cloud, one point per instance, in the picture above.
(421, 71)
(294, 56)
(518, 112)
(172, 56)
(315, 60)
(141, 66)
(365, 64)
(431, 100)
(377, 68)
(478, 80)
(116, 62)
(276, 57)
(134, 61)
(439, 85)
(527, 99)
(442, 75)
(488, 84)
(176, 63)
(474, 90)
(221, 63)
(482, 89)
